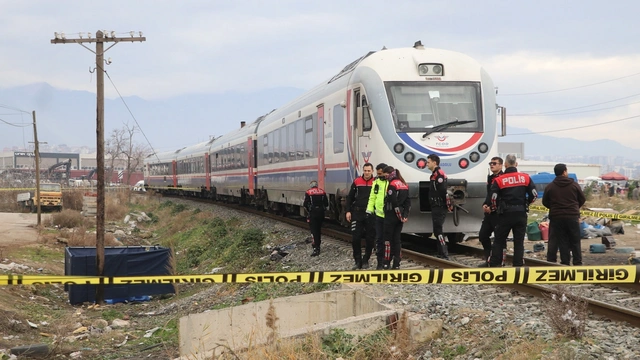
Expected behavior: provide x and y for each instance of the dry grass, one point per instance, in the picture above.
(72, 199)
(67, 219)
(116, 206)
(567, 313)
(9, 201)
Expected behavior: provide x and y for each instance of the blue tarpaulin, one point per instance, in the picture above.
(118, 261)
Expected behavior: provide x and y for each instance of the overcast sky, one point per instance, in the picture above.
(219, 46)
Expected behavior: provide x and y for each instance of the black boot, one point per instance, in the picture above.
(365, 262)
(380, 265)
(396, 264)
(442, 248)
(357, 266)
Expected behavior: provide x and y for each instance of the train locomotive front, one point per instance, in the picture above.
(426, 101)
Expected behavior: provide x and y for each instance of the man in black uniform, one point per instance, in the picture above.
(511, 194)
(490, 217)
(438, 202)
(315, 201)
(356, 208)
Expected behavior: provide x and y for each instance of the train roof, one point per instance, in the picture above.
(195, 150)
(387, 63)
(236, 136)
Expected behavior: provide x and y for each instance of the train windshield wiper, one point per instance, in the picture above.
(446, 126)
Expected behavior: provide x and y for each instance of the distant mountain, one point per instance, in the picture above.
(544, 145)
(69, 117)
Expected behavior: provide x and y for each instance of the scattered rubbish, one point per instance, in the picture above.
(32, 350)
(625, 250)
(609, 241)
(123, 342)
(597, 249)
(538, 247)
(35, 326)
(150, 332)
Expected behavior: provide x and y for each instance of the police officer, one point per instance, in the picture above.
(438, 201)
(356, 207)
(511, 195)
(397, 206)
(490, 216)
(375, 209)
(315, 201)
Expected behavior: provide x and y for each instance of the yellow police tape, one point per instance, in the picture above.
(501, 276)
(595, 214)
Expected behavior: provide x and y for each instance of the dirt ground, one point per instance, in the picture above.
(18, 229)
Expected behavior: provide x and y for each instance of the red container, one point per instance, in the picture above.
(544, 232)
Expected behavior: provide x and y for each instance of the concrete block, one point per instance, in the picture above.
(421, 330)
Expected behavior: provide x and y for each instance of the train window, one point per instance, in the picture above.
(309, 140)
(284, 155)
(276, 146)
(299, 139)
(366, 115)
(418, 106)
(265, 150)
(291, 143)
(338, 129)
(270, 146)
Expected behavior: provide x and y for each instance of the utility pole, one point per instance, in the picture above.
(100, 39)
(36, 152)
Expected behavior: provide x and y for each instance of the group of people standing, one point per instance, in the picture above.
(379, 206)
(509, 195)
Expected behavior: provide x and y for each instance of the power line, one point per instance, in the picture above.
(13, 108)
(579, 107)
(577, 127)
(571, 88)
(577, 112)
(13, 124)
(131, 113)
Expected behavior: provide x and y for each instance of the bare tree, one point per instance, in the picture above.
(122, 149)
(133, 153)
(114, 147)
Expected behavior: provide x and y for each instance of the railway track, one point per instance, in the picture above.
(602, 300)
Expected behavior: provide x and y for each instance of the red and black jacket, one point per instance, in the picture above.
(490, 178)
(358, 197)
(397, 197)
(512, 191)
(438, 188)
(315, 201)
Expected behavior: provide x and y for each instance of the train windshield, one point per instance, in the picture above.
(420, 106)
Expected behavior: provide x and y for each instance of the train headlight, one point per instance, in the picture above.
(437, 69)
(398, 148)
(474, 157)
(483, 148)
(423, 70)
(430, 69)
(408, 157)
(421, 163)
(463, 163)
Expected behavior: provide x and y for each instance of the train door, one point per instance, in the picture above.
(363, 125)
(320, 133)
(174, 173)
(250, 163)
(207, 171)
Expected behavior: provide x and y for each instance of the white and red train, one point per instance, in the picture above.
(394, 106)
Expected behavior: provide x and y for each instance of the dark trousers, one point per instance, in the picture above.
(379, 237)
(488, 226)
(564, 235)
(361, 223)
(392, 231)
(515, 221)
(315, 224)
(438, 215)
